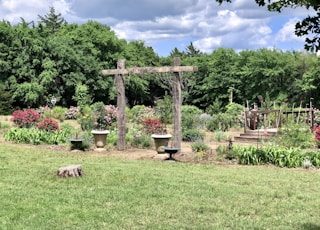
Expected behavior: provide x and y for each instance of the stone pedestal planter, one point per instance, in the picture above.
(100, 139)
(161, 141)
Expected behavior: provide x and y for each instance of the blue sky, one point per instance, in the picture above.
(167, 24)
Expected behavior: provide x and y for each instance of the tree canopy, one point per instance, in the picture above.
(309, 26)
(37, 63)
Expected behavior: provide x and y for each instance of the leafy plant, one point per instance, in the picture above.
(199, 147)
(72, 113)
(221, 121)
(36, 136)
(104, 115)
(137, 137)
(25, 118)
(294, 135)
(48, 124)
(192, 135)
(153, 126)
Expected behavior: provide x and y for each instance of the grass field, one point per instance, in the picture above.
(131, 194)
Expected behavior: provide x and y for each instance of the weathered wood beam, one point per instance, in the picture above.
(143, 70)
(121, 104)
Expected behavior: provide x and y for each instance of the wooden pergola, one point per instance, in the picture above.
(120, 73)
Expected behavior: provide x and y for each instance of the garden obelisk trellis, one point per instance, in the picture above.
(120, 73)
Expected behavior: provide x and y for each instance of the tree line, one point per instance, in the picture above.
(54, 58)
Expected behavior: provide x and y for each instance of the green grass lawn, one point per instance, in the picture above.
(124, 194)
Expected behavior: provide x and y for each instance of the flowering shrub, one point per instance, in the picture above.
(141, 112)
(104, 115)
(153, 126)
(316, 131)
(48, 124)
(72, 113)
(25, 118)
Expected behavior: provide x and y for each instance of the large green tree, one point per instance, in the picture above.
(309, 26)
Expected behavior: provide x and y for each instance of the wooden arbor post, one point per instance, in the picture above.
(177, 101)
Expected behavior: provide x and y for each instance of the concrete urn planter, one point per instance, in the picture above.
(161, 141)
(100, 139)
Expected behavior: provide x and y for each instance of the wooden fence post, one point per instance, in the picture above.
(121, 104)
(177, 101)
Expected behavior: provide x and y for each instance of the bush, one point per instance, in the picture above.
(153, 126)
(48, 124)
(139, 113)
(72, 113)
(56, 112)
(25, 118)
(137, 137)
(192, 135)
(294, 135)
(190, 117)
(199, 147)
(221, 121)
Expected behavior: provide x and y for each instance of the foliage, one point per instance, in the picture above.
(25, 118)
(316, 131)
(82, 96)
(234, 109)
(192, 135)
(279, 156)
(140, 112)
(72, 113)
(137, 137)
(164, 109)
(221, 122)
(85, 118)
(294, 135)
(6, 100)
(190, 117)
(36, 136)
(48, 124)
(104, 115)
(153, 126)
(57, 112)
(199, 147)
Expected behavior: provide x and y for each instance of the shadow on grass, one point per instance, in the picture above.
(310, 226)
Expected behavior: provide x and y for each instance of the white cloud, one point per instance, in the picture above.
(286, 33)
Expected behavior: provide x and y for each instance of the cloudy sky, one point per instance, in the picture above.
(166, 24)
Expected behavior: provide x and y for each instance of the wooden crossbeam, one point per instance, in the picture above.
(144, 70)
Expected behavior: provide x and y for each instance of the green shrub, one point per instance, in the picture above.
(137, 137)
(234, 109)
(57, 112)
(112, 138)
(294, 135)
(199, 147)
(192, 135)
(190, 117)
(221, 121)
